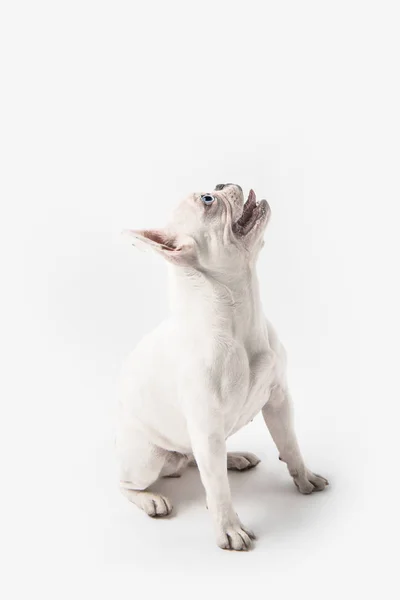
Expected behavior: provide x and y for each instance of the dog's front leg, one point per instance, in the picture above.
(277, 414)
(208, 444)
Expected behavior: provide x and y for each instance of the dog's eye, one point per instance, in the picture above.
(207, 199)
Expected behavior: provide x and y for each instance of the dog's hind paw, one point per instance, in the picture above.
(152, 504)
(242, 461)
(236, 461)
(156, 505)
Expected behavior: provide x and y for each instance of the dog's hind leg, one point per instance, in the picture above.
(141, 463)
(175, 464)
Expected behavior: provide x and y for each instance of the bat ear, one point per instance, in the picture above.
(180, 251)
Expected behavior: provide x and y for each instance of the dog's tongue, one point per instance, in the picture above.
(251, 200)
(248, 208)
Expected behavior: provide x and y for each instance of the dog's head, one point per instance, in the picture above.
(211, 230)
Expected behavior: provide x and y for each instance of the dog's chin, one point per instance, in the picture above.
(253, 219)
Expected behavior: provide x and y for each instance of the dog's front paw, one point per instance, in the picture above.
(235, 537)
(310, 482)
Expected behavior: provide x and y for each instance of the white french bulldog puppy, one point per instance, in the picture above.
(210, 368)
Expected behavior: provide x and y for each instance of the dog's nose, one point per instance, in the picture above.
(221, 186)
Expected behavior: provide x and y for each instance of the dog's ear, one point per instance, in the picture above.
(179, 250)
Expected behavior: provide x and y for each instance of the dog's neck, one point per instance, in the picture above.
(227, 303)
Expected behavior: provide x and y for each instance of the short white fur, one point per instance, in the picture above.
(206, 371)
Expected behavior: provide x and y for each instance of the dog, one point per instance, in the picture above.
(206, 371)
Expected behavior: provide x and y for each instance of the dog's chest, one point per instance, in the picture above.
(248, 384)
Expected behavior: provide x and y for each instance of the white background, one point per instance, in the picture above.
(110, 113)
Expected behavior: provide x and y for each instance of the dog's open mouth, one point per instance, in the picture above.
(253, 213)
